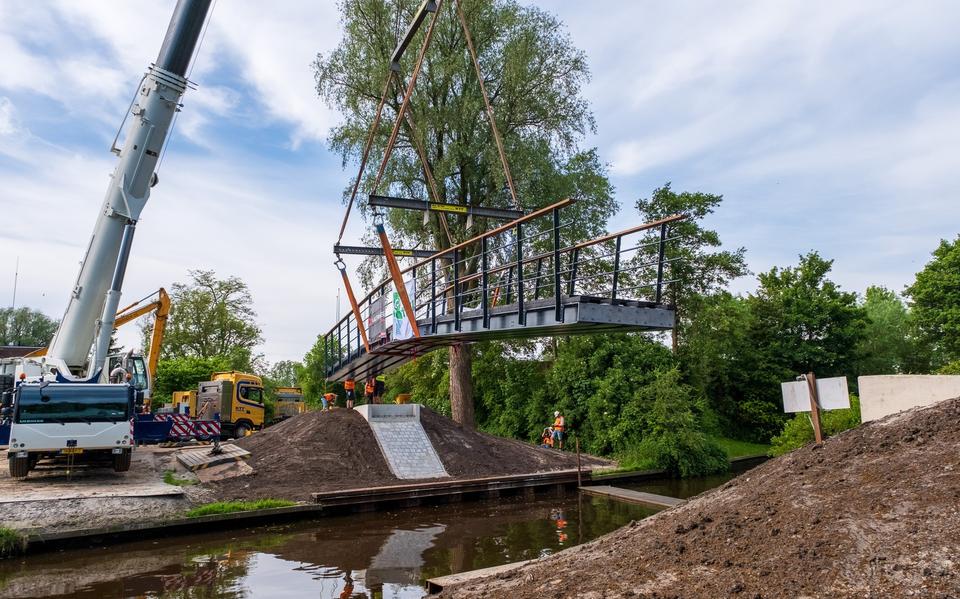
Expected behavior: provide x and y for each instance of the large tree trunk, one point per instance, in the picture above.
(461, 385)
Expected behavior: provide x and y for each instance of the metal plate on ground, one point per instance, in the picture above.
(198, 459)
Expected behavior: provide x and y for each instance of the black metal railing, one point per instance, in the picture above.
(493, 273)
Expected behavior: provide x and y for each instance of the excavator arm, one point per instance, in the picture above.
(161, 306)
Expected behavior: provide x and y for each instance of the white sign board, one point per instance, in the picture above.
(832, 392)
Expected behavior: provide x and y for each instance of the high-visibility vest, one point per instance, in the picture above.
(369, 388)
(349, 385)
(558, 423)
(330, 397)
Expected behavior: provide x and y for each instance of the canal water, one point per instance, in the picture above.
(381, 554)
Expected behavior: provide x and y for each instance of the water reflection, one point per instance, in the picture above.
(386, 554)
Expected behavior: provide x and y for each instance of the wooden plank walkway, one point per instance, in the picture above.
(435, 585)
(196, 459)
(648, 499)
(415, 492)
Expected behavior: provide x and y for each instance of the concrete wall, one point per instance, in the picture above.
(888, 394)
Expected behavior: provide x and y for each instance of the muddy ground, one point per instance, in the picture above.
(53, 498)
(874, 512)
(327, 451)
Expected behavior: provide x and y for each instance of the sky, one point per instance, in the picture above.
(826, 126)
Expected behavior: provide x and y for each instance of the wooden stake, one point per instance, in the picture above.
(815, 408)
(577, 442)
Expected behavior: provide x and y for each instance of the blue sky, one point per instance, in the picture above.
(828, 126)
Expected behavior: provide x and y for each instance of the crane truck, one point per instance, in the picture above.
(64, 402)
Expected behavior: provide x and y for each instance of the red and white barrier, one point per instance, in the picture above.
(185, 428)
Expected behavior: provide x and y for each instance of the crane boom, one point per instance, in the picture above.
(88, 319)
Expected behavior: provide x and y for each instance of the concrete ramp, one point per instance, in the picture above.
(404, 443)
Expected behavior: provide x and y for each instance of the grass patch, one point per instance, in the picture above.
(736, 449)
(229, 507)
(170, 477)
(11, 542)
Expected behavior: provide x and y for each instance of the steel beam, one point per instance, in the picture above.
(358, 250)
(413, 204)
(427, 7)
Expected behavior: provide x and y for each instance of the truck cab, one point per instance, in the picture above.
(81, 422)
(238, 399)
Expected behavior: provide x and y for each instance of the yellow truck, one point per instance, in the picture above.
(289, 403)
(236, 396)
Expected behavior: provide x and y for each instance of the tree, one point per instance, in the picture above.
(889, 345)
(696, 268)
(23, 326)
(286, 373)
(534, 75)
(183, 373)
(801, 322)
(935, 302)
(211, 317)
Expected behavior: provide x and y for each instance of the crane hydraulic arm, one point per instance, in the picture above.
(89, 318)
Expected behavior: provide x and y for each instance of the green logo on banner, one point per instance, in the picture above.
(397, 306)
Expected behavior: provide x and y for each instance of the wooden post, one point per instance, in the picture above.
(815, 408)
(577, 442)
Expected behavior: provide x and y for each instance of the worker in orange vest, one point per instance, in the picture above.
(559, 424)
(368, 389)
(349, 385)
(328, 399)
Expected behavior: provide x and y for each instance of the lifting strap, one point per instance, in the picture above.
(354, 306)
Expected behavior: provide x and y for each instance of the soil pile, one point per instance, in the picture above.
(874, 512)
(469, 453)
(312, 452)
(335, 450)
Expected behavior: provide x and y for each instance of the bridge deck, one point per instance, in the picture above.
(580, 315)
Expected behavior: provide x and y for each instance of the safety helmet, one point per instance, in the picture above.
(557, 413)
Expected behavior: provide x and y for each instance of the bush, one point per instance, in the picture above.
(798, 431)
(671, 430)
(951, 368)
(228, 507)
(11, 542)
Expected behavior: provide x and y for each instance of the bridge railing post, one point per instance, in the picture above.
(456, 290)
(663, 244)
(575, 260)
(509, 284)
(536, 282)
(616, 267)
(556, 265)
(484, 283)
(433, 296)
(521, 315)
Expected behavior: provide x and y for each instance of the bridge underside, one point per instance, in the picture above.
(579, 315)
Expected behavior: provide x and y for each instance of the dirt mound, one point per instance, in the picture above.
(874, 512)
(328, 451)
(316, 451)
(469, 453)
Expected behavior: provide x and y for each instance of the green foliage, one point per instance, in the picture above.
(11, 542)
(170, 477)
(889, 345)
(951, 368)
(594, 382)
(228, 507)
(184, 374)
(668, 433)
(211, 318)
(285, 373)
(798, 431)
(26, 327)
(510, 389)
(698, 267)
(426, 379)
(935, 297)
